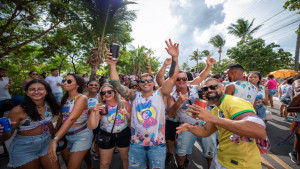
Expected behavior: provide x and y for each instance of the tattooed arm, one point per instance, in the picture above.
(167, 87)
(114, 78)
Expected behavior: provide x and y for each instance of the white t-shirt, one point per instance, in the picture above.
(4, 92)
(53, 80)
(286, 90)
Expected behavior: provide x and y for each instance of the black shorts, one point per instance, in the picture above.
(121, 139)
(171, 129)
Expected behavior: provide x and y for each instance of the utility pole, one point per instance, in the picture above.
(297, 50)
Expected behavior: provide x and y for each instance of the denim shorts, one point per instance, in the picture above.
(186, 140)
(285, 100)
(24, 149)
(272, 91)
(261, 111)
(138, 156)
(80, 141)
(58, 96)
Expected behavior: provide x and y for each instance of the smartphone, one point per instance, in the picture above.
(114, 49)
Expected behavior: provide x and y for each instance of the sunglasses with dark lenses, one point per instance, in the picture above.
(132, 86)
(181, 78)
(34, 74)
(212, 87)
(68, 81)
(108, 91)
(93, 85)
(146, 80)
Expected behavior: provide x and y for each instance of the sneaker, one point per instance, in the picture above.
(293, 155)
(168, 158)
(288, 120)
(96, 157)
(186, 162)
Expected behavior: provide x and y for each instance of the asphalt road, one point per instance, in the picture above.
(276, 158)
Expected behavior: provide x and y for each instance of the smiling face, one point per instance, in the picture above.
(93, 87)
(70, 83)
(36, 91)
(107, 93)
(182, 83)
(253, 78)
(213, 90)
(33, 75)
(146, 86)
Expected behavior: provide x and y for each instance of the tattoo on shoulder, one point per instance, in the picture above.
(172, 68)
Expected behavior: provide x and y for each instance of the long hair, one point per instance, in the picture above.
(79, 81)
(29, 106)
(258, 74)
(116, 97)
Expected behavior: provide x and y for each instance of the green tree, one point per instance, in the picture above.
(242, 28)
(184, 66)
(255, 55)
(218, 42)
(221, 66)
(293, 5)
(197, 55)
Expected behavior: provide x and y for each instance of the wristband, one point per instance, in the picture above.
(56, 138)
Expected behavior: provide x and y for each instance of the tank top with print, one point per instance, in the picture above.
(183, 115)
(93, 101)
(245, 90)
(107, 121)
(260, 95)
(67, 109)
(29, 124)
(148, 120)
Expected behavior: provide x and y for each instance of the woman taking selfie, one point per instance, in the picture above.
(73, 117)
(113, 116)
(32, 120)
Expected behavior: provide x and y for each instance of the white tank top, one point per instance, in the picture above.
(148, 120)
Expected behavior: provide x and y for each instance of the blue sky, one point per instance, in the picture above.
(191, 23)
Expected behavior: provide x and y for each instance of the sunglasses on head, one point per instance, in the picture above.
(181, 78)
(146, 80)
(93, 85)
(211, 87)
(108, 91)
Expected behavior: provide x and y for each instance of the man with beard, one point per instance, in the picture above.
(237, 123)
(240, 88)
(148, 113)
(186, 93)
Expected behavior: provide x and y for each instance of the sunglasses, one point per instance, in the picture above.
(34, 74)
(68, 81)
(146, 80)
(32, 90)
(93, 85)
(181, 78)
(212, 87)
(108, 91)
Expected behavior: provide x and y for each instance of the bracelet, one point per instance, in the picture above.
(55, 138)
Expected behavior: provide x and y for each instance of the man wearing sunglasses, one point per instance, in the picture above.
(55, 83)
(186, 92)
(148, 113)
(238, 126)
(240, 88)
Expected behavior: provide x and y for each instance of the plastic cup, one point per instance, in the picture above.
(104, 110)
(201, 103)
(6, 123)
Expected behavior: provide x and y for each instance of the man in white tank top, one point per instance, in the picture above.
(240, 88)
(148, 113)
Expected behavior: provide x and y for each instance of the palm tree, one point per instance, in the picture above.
(218, 42)
(196, 56)
(184, 66)
(242, 29)
(297, 50)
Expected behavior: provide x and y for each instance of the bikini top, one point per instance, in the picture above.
(29, 124)
(68, 107)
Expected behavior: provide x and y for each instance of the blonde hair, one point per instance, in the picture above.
(116, 97)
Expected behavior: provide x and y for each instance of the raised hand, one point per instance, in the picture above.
(172, 50)
(109, 60)
(210, 61)
(168, 61)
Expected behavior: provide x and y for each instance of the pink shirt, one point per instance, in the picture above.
(273, 84)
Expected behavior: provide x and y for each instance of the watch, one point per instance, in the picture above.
(56, 138)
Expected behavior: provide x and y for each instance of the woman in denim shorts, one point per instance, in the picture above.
(271, 84)
(113, 116)
(32, 120)
(72, 122)
(262, 94)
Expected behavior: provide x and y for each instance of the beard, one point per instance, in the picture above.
(213, 98)
(230, 80)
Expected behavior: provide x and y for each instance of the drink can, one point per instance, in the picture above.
(104, 111)
(202, 103)
(6, 123)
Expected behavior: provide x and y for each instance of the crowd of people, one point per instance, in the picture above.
(145, 119)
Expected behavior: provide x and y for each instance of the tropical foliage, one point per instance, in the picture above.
(242, 28)
(218, 42)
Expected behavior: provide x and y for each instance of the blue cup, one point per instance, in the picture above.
(6, 123)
